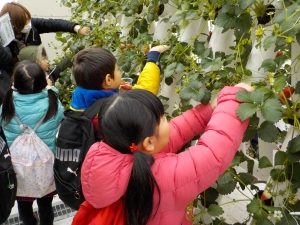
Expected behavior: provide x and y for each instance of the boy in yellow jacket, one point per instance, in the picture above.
(97, 75)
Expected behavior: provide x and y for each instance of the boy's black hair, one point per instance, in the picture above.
(129, 118)
(91, 67)
(28, 78)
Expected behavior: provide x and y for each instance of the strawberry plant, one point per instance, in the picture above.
(197, 71)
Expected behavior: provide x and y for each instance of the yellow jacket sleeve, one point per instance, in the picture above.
(149, 78)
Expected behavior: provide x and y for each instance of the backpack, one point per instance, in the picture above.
(112, 214)
(33, 163)
(8, 180)
(73, 140)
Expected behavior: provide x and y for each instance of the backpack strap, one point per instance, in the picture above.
(26, 126)
(93, 109)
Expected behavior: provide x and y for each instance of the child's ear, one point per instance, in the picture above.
(107, 81)
(148, 145)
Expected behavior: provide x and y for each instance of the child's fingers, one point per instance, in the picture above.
(160, 48)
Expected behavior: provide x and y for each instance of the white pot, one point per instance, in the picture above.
(162, 27)
(193, 29)
(222, 41)
(169, 92)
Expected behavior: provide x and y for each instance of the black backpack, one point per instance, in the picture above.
(73, 140)
(8, 180)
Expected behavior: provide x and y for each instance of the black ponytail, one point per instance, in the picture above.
(128, 118)
(8, 108)
(53, 105)
(140, 190)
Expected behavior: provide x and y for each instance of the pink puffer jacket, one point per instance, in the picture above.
(181, 177)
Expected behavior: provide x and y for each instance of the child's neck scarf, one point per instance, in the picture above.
(83, 98)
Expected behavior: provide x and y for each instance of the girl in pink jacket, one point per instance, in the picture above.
(137, 161)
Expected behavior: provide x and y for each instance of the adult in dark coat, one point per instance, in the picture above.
(27, 30)
(6, 66)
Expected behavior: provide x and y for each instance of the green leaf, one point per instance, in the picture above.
(150, 17)
(191, 14)
(250, 97)
(293, 157)
(271, 110)
(264, 222)
(280, 83)
(225, 189)
(250, 166)
(207, 52)
(198, 95)
(226, 177)
(264, 162)
(246, 110)
(269, 65)
(251, 129)
(215, 210)
(216, 65)
(179, 15)
(244, 4)
(186, 93)
(257, 97)
(236, 161)
(195, 84)
(280, 158)
(278, 175)
(244, 96)
(225, 20)
(245, 179)
(210, 194)
(297, 88)
(243, 22)
(267, 131)
(179, 68)
(255, 207)
(269, 41)
(206, 63)
(293, 174)
(170, 70)
(206, 98)
(219, 54)
(294, 145)
(199, 48)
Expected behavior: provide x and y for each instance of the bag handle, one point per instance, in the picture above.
(26, 126)
(93, 109)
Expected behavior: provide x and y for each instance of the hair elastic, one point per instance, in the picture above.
(133, 148)
(13, 88)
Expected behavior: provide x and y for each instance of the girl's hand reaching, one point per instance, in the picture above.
(214, 102)
(246, 86)
(160, 48)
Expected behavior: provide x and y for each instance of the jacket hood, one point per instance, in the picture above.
(115, 169)
(32, 53)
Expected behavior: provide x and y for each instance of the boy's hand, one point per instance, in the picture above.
(49, 82)
(160, 48)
